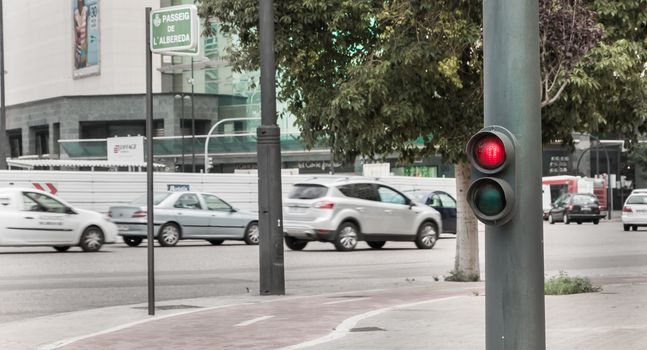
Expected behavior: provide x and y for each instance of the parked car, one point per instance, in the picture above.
(443, 202)
(345, 211)
(185, 215)
(30, 217)
(634, 211)
(575, 207)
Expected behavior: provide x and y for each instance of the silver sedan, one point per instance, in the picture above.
(185, 215)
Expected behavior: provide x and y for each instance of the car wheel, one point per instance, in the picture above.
(595, 222)
(132, 241)
(634, 227)
(626, 227)
(551, 219)
(295, 243)
(579, 222)
(376, 244)
(346, 237)
(566, 220)
(215, 241)
(91, 239)
(169, 235)
(427, 235)
(252, 235)
(62, 248)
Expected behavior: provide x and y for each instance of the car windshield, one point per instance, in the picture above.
(308, 191)
(585, 200)
(637, 200)
(157, 199)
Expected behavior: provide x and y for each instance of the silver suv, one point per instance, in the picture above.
(344, 211)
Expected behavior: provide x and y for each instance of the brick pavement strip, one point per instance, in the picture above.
(265, 325)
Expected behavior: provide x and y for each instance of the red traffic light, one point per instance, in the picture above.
(491, 194)
(489, 152)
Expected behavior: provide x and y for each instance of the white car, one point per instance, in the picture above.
(30, 217)
(345, 211)
(634, 212)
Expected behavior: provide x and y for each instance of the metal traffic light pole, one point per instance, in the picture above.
(514, 260)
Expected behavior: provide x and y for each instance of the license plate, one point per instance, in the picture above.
(122, 228)
(586, 209)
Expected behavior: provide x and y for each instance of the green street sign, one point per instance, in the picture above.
(174, 28)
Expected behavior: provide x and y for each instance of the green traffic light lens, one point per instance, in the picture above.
(490, 199)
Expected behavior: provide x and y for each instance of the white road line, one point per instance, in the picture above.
(345, 327)
(69, 341)
(344, 301)
(248, 322)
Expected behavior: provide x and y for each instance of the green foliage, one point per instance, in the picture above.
(607, 93)
(563, 284)
(460, 276)
(371, 75)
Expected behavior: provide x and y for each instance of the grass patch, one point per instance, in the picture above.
(564, 284)
(460, 276)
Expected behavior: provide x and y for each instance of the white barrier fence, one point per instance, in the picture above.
(99, 190)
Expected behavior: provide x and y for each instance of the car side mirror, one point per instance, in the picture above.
(69, 210)
(233, 210)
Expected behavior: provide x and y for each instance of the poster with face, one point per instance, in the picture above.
(86, 34)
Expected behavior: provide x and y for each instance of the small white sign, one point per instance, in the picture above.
(376, 169)
(126, 150)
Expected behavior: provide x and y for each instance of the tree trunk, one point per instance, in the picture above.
(466, 265)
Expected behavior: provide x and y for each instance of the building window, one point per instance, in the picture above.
(15, 143)
(41, 139)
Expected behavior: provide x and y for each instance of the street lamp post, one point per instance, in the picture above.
(609, 189)
(3, 120)
(192, 82)
(182, 97)
(206, 142)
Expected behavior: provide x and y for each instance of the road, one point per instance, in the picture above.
(41, 281)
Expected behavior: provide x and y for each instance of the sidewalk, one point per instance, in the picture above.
(412, 316)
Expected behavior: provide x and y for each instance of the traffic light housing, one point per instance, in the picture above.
(491, 194)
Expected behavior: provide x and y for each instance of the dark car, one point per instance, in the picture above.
(443, 202)
(575, 207)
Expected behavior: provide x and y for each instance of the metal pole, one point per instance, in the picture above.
(514, 260)
(149, 168)
(597, 158)
(3, 108)
(192, 119)
(272, 278)
(182, 128)
(609, 190)
(206, 142)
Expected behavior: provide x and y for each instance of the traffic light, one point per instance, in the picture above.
(491, 194)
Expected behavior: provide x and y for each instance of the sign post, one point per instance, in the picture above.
(167, 29)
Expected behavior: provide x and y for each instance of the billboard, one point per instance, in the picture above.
(86, 33)
(126, 150)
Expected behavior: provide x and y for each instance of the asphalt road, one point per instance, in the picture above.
(40, 281)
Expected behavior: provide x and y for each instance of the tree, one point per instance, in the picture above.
(376, 75)
(607, 90)
(568, 32)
